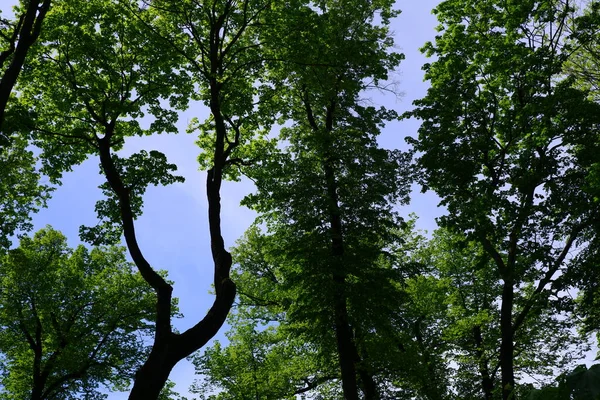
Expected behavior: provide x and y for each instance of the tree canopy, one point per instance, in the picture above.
(331, 293)
(71, 319)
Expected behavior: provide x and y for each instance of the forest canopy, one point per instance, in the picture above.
(329, 290)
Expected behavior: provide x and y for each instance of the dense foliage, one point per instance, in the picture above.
(70, 319)
(338, 297)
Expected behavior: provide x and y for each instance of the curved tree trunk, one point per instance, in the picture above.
(169, 348)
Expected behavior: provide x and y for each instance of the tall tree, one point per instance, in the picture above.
(470, 321)
(70, 319)
(501, 139)
(219, 41)
(326, 195)
(88, 84)
(117, 61)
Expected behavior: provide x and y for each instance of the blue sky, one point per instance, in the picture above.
(173, 231)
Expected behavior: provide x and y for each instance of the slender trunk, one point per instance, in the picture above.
(369, 387)
(35, 343)
(37, 391)
(507, 345)
(169, 348)
(39, 382)
(343, 332)
(345, 347)
(507, 328)
(487, 384)
(29, 30)
(347, 352)
(368, 384)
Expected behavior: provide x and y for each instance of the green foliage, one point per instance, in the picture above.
(258, 362)
(21, 192)
(506, 142)
(584, 62)
(509, 141)
(70, 319)
(580, 384)
(459, 305)
(319, 61)
(220, 41)
(97, 76)
(169, 394)
(495, 128)
(91, 81)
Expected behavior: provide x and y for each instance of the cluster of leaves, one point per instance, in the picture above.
(579, 384)
(21, 192)
(70, 319)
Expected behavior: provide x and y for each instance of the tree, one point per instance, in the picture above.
(406, 347)
(579, 384)
(502, 141)
(470, 319)
(582, 65)
(70, 319)
(469, 324)
(87, 86)
(326, 196)
(86, 92)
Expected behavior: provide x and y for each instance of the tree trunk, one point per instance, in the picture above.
(487, 383)
(37, 390)
(507, 345)
(430, 383)
(152, 376)
(368, 384)
(347, 351)
(343, 333)
(169, 348)
(29, 29)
